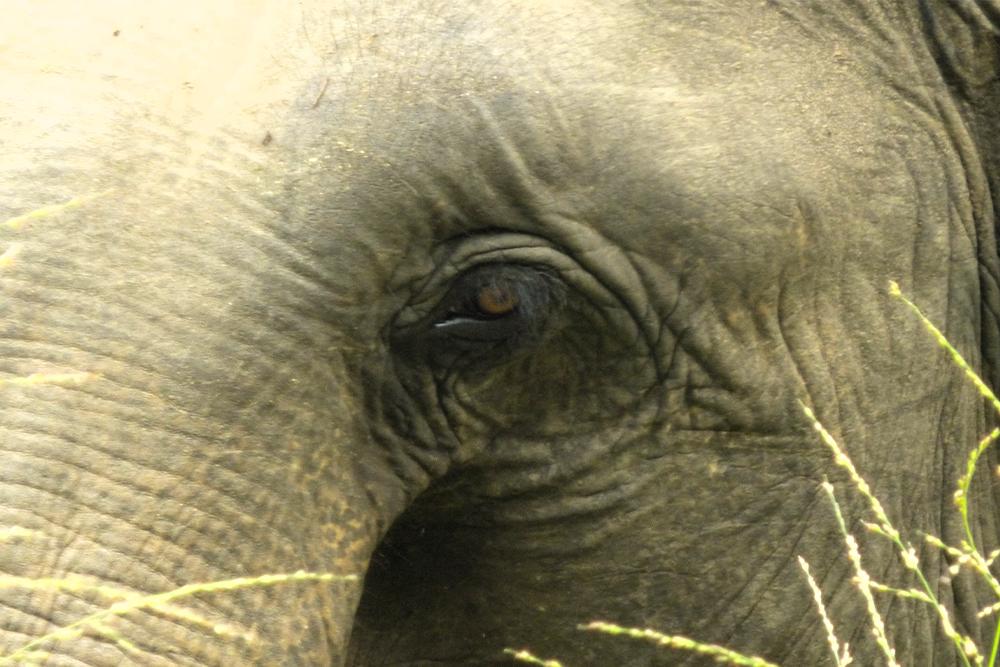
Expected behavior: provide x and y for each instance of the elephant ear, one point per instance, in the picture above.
(965, 37)
(966, 34)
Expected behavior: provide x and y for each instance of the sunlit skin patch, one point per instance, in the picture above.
(496, 300)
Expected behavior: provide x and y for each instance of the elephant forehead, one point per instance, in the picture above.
(187, 62)
(723, 121)
(735, 144)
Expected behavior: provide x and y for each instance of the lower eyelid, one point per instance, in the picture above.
(478, 330)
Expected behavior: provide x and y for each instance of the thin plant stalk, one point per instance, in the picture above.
(908, 555)
(720, 654)
(157, 600)
(863, 581)
(841, 655)
(962, 493)
(524, 655)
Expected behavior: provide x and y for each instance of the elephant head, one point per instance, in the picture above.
(496, 316)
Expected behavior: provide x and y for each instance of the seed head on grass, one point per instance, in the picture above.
(842, 460)
(10, 254)
(961, 496)
(526, 656)
(161, 603)
(18, 222)
(970, 558)
(956, 357)
(907, 555)
(720, 654)
(864, 582)
(842, 655)
(962, 493)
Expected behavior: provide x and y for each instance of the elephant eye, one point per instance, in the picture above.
(494, 303)
(496, 300)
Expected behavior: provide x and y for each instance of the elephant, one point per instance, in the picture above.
(489, 319)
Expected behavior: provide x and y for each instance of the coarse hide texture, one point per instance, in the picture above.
(490, 319)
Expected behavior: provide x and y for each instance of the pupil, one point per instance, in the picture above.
(496, 301)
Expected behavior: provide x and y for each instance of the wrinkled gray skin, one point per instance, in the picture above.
(272, 278)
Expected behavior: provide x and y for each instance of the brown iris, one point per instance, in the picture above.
(496, 300)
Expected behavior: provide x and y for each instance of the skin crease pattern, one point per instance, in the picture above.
(499, 315)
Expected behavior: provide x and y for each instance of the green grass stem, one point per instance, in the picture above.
(97, 620)
(720, 653)
(523, 655)
(841, 654)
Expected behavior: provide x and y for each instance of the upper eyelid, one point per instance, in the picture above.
(527, 282)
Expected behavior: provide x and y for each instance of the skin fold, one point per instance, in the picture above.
(504, 309)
